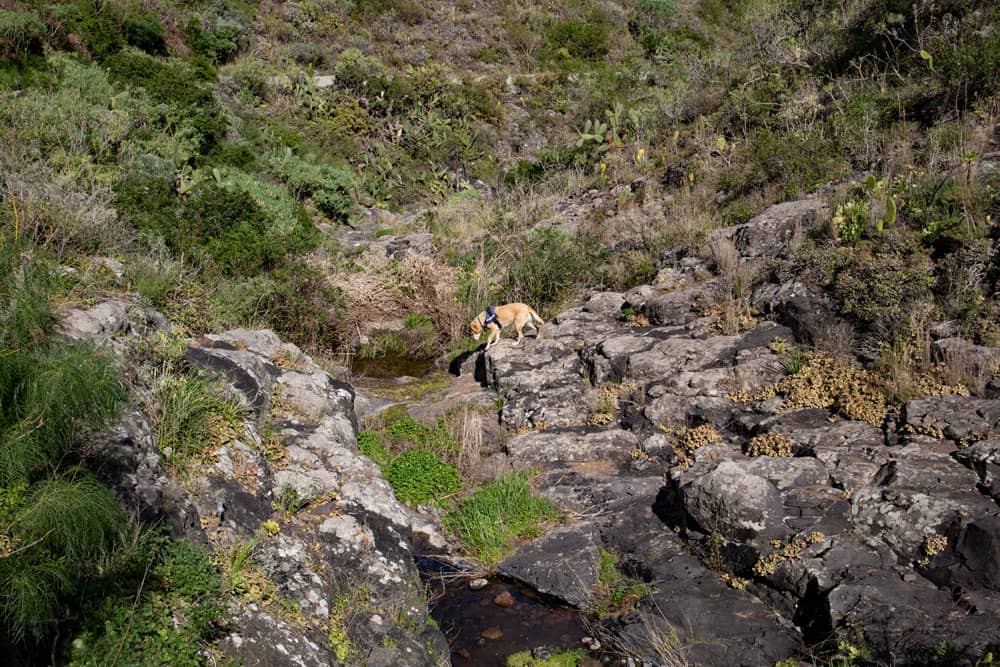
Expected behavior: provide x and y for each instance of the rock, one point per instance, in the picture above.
(353, 518)
(607, 304)
(99, 323)
(504, 599)
(572, 445)
(811, 316)
(957, 418)
(984, 458)
(478, 584)
(492, 632)
(564, 563)
(774, 232)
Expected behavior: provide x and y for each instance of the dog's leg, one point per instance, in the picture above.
(520, 332)
(494, 336)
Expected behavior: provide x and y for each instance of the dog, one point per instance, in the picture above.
(495, 318)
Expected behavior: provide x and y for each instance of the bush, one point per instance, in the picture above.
(883, 281)
(498, 513)
(330, 187)
(231, 227)
(173, 84)
(218, 41)
(303, 306)
(20, 34)
(133, 616)
(420, 477)
(587, 38)
(550, 265)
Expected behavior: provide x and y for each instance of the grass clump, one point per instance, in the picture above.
(569, 658)
(497, 514)
(616, 592)
(191, 416)
(56, 519)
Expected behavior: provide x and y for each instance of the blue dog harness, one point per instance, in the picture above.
(491, 316)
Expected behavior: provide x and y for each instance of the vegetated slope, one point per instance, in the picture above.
(219, 148)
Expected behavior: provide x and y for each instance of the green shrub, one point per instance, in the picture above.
(303, 306)
(496, 514)
(231, 227)
(330, 187)
(370, 445)
(144, 31)
(171, 83)
(883, 281)
(547, 274)
(218, 40)
(20, 33)
(134, 615)
(649, 23)
(420, 477)
(587, 38)
(361, 74)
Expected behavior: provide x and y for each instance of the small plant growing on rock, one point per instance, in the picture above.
(691, 439)
(770, 444)
(933, 545)
(768, 565)
(616, 592)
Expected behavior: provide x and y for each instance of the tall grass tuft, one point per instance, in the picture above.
(56, 520)
(497, 514)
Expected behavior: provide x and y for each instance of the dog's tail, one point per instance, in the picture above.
(534, 316)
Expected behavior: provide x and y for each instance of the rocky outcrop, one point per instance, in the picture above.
(882, 537)
(330, 556)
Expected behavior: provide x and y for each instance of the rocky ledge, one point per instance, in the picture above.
(766, 529)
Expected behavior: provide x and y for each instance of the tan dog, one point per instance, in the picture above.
(519, 313)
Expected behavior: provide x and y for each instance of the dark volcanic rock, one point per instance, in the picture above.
(957, 418)
(565, 564)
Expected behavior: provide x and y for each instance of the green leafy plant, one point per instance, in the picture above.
(133, 618)
(420, 477)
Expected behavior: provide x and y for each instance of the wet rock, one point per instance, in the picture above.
(478, 584)
(564, 563)
(492, 632)
(504, 599)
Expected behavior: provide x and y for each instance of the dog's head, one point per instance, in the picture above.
(475, 328)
